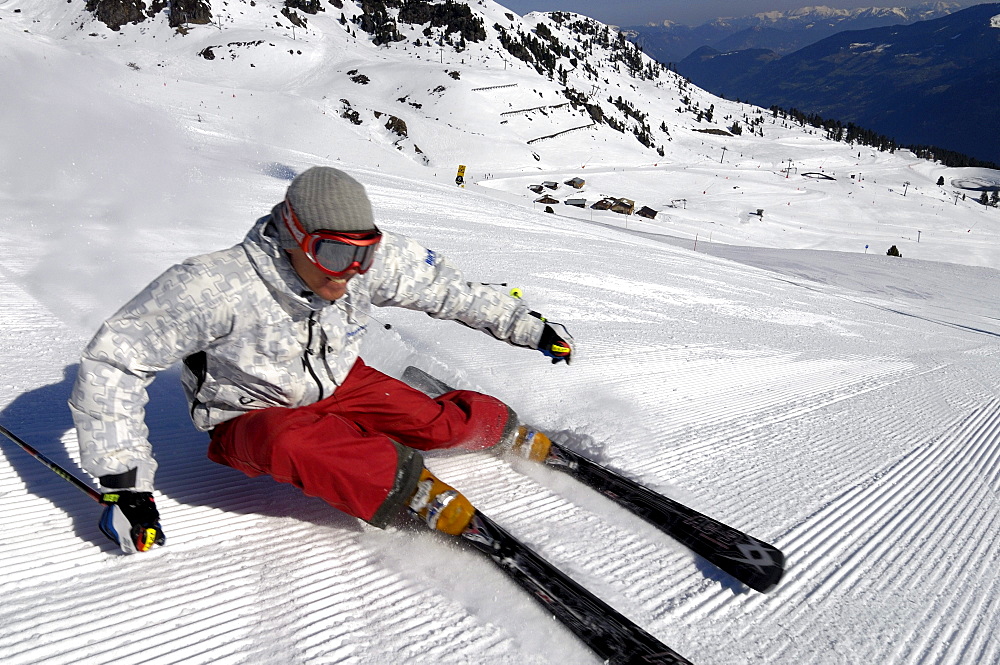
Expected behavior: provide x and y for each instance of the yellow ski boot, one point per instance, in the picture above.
(530, 444)
(440, 505)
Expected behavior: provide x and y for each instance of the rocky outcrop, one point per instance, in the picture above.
(116, 13)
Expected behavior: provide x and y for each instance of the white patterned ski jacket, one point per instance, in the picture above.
(267, 340)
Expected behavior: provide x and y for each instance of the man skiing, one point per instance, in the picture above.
(269, 332)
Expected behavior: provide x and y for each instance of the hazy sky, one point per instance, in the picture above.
(691, 12)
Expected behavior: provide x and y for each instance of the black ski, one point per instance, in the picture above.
(753, 562)
(608, 633)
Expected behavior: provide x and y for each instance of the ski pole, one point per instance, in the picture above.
(66, 475)
(516, 291)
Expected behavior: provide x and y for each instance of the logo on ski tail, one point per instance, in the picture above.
(754, 554)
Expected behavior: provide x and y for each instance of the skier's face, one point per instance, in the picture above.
(322, 284)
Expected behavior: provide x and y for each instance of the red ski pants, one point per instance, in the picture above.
(355, 449)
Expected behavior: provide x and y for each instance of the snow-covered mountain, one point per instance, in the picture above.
(823, 15)
(750, 350)
(779, 31)
(904, 81)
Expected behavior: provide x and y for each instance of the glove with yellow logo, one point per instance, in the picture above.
(131, 520)
(556, 342)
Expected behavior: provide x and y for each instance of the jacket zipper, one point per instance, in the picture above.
(309, 351)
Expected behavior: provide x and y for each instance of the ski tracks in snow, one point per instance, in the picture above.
(916, 519)
(923, 528)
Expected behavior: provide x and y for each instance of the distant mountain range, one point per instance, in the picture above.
(781, 32)
(934, 82)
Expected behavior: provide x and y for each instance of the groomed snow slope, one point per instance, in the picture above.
(842, 405)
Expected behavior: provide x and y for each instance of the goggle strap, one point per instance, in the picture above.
(293, 225)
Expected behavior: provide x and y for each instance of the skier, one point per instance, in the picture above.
(269, 332)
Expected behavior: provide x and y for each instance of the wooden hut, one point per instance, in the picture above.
(647, 212)
(579, 203)
(546, 199)
(576, 183)
(623, 206)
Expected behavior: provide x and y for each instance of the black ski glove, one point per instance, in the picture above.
(555, 342)
(131, 520)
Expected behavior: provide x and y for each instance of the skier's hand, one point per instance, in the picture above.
(556, 342)
(131, 520)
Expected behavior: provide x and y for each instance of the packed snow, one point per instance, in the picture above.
(775, 370)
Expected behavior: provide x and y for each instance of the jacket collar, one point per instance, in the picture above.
(274, 267)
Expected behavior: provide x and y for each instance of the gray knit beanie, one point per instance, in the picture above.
(325, 198)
